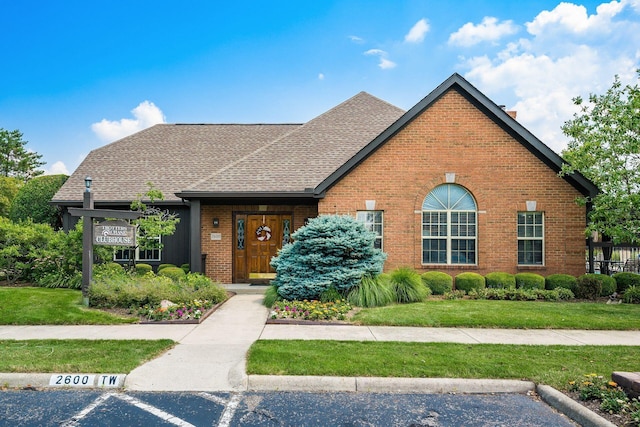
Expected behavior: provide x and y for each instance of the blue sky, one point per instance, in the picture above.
(77, 75)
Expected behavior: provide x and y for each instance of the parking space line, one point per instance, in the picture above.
(154, 411)
(213, 398)
(230, 410)
(80, 415)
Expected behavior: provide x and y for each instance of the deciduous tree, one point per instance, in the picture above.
(605, 147)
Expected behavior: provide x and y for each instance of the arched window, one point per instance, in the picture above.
(449, 226)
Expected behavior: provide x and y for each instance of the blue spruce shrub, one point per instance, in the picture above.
(331, 250)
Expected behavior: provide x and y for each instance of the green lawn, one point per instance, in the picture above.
(553, 365)
(505, 314)
(42, 306)
(78, 356)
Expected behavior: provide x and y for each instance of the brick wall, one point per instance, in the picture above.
(219, 262)
(454, 136)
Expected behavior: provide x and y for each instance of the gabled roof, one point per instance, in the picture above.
(488, 107)
(171, 156)
(298, 161)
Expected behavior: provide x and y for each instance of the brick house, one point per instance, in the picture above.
(454, 184)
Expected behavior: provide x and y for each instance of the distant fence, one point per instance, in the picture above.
(609, 258)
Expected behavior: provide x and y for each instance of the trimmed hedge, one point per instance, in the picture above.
(589, 286)
(566, 281)
(163, 266)
(439, 283)
(174, 273)
(607, 283)
(186, 268)
(529, 281)
(625, 280)
(468, 281)
(500, 280)
(142, 268)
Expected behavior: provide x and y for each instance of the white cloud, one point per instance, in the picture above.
(488, 30)
(384, 63)
(146, 114)
(56, 169)
(417, 32)
(573, 18)
(321, 76)
(375, 52)
(539, 75)
(356, 39)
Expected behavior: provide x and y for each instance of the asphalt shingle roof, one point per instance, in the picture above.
(220, 158)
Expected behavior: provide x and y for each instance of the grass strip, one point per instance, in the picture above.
(505, 314)
(43, 306)
(78, 356)
(554, 365)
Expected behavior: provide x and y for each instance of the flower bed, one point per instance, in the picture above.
(310, 310)
(192, 312)
(606, 399)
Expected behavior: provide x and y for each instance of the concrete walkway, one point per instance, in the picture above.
(211, 356)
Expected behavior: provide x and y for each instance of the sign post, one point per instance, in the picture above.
(117, 233)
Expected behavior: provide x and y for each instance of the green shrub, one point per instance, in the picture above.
(529, 281)
(632, 295)
(122, 290)
(439, 283)
(588, 286)
(32, 201)
(626, 279)
(163, 266)
(271, 296)
(565, 294)
(142, 269)
(468, 281)
(407, 286)
(21, 244)
(174, 273)
(371, 292)
(566, 281)
(330, 294)
(500, 280)
(331, 250)
(607, 283)
(186, 268)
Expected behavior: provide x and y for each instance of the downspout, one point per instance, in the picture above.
(590, 241)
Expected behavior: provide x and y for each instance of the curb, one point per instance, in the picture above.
(62, 381)
(571, 408)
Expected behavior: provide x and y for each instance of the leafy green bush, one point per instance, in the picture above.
(371, 292)
(162, 266)
(20, 246)
(566, 281)
(500, 280)
(331, 250)
(141, 269)
(529, 281)
(406, 286)
(632, 295)
(330, 295)
(119, 289)
(439, 283)
(174, 273)
(32, 201)
(607, 283)
(588, 286)
(186, 268)
(626, 279)
(468, 281)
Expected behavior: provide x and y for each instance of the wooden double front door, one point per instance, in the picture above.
(257, 238)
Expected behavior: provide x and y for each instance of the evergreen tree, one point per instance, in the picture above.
(330, 251)
(15, 160)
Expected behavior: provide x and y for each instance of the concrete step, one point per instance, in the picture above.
(245, 288)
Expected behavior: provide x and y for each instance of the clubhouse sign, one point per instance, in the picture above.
(114, 233)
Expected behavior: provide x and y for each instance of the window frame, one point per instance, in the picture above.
(448, 208)
(371, 225)
(531, 239)
(137, 252)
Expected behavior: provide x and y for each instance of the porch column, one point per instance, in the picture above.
(195, 255)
